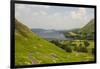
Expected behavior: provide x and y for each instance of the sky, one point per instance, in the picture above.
(53, 17)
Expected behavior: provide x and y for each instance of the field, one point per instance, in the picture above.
(77, 50)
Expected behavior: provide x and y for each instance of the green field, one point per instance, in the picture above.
(76, 55)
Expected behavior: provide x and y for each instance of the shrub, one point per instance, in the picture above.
(63, 46)
(86, 43)
(75, 48)
(73, 44)
(55, 42)
(80, 45)
(82, 49)
(68, 49)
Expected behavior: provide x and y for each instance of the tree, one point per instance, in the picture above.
(55, 42)
(75, 48)
(86, 43)
(68, 49)
(81, 49)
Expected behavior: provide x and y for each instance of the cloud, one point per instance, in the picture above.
(35, 13)
(56, 14)
(78, 14)
(42, 12)
(46, 7)
(51, 17)
(18, 6)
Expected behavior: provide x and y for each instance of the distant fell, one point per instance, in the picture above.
(88, 27)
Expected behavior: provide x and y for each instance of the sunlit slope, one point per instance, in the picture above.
(31, 49)
(89, 27)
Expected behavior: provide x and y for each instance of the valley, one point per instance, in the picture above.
(39, 46)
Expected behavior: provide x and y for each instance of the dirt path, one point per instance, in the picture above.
(33, 60)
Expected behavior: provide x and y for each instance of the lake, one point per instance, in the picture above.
(51, 34)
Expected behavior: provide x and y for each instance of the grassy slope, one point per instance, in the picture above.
(31, 49)
(89, 27)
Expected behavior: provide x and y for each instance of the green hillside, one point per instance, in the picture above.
(88, 27)
(31, 49)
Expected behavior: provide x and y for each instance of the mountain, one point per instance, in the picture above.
(88, 28)
(50, 34)
(32, 49)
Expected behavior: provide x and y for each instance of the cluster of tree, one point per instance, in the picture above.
(81, 48)
(88, 36)
(69, 47)
(80, 35)
(66, 47)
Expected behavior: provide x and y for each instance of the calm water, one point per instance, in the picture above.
(51, 34)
